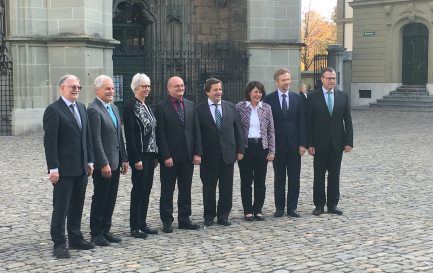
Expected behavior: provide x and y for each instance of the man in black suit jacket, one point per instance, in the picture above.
(290, 142)
(69, 155)
(110, 160)
(222, 144)
(330, 132)
(179, 145)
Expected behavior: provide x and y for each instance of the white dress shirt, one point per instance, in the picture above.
(254, 129)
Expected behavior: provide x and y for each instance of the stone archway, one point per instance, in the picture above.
(415, 54)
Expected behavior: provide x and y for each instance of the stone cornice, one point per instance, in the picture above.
(274, 43)
(375, 2)
(70, 40)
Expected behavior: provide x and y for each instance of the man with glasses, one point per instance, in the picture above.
(330, 133)
(69, 155)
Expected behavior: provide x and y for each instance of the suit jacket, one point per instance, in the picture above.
(227, 140)
(326, 131)
(139, 131)
(174, 139)
(290, 130)
(267, 131)
(108, 143)
(67, 147)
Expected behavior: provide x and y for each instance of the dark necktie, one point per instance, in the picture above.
(180, 111)
(75, 113)
(112, 115)
(218, 117)
(329, 102)
(284, 105)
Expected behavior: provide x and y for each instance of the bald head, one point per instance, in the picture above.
(176, 87)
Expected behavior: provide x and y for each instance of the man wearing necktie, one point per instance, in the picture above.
(330, 132)
(69, 155)
(290, 143)
(221, 137)
(179, 149)
(110, 160)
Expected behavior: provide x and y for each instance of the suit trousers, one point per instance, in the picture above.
(287, 162)
(211, 175)
(68, 202)
(103, 201)
(327, 160)
(253, 167)
(142, 182)
(182, 172)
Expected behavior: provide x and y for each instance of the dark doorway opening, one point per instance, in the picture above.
(415, 54)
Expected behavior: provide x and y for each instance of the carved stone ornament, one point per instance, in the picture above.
(174, 13)
(221, 3)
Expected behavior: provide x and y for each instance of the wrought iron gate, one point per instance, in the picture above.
(6, 80)
(194, 63)
(320, 62)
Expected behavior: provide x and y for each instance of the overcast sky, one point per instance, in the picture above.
(324, 7)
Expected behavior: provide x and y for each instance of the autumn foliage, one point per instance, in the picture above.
(317, 33)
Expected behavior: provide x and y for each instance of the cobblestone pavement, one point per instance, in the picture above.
(386, 187)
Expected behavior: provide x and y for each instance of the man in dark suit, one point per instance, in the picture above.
(69, 155)
(330, 132)
(110, 160)
(290, 142)
(222, 144)
(179, 144)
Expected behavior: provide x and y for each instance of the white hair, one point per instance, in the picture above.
(138, 79)
(99, 81)
(66, 77)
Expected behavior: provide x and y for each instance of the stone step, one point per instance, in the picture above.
(410, 92)
(407, 98)
(401, 105)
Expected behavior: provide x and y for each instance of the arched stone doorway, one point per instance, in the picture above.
(415, 53)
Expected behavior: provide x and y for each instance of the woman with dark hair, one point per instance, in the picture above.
(259, 142)
(140, 124)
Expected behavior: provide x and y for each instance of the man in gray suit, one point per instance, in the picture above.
(110, 160)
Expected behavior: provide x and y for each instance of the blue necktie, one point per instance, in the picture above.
(112, 115)
(218, 117)
(329, 102)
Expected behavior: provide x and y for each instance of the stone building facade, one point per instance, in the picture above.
(391, 45)
(49, 38)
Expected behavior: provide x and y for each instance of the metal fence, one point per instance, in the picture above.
(193, 63)
(320, 61)
(6, 82)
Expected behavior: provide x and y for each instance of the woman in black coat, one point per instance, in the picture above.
(140, 124)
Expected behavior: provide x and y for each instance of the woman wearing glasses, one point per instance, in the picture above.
(140, 124)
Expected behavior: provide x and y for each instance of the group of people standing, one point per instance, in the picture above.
(177, 134)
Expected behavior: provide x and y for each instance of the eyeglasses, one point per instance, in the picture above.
(330, 78)
(74, 87)
(145, 86)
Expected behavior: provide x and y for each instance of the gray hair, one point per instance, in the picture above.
(137, 79)
(99, 81)
(66, 77)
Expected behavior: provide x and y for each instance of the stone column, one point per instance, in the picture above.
(274, 40)
(49, 39)
(335, 60)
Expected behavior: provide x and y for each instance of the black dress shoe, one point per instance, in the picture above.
(137, 233)
(61, 252)
(259, 217)
(208, 222)
(278, 213)
(224, 222)
(112, 238)
(83, 245)
(167, 227)
(335, 210)
(189, 225)
(100, 240)
(249, 217)
(149, 230)
(293, 213)
(318, 211)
